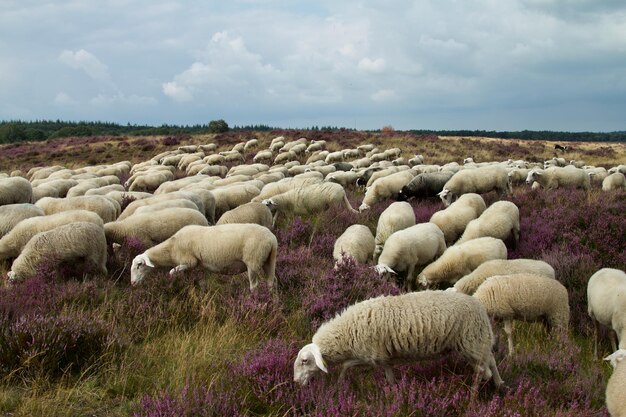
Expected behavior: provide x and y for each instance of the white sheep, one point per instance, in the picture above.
(99, 204)
(470, 282)
(70, 244)
(606, 304)
(104, 190)
(227, 248)
(15, 190)
(615, 181)
(133, 206)
(152, 228)
(121, 196)
(176, 185)
(383, 330)
(252, 212)
(334, 157)
(527, 297)
(409, 248)
(556, 177)
(619, 168)
(357, 241)
(166, 204)
(263, 156)
(480, 181)
(231, 196)
(615, 393)
(397, 216)
(13, 242)
(459, 260)
(499, 220)
(454, 218)
(12, 214)
(386, 187)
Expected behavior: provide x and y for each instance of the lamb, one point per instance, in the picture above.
(615, 181)
(615, 394)
(386, 187)
(606, 304)
(425, 185)
(459, 260)
(397, 216)
(480, 180)
(556, 177)
(12, 214)
(357, 241)
(518, 175)
(469, 283)
(527, 297)
(251, 212)
(76, 242)
(453, 220)
(152, 228)
(411, 247)
(15, 190)
(227, 248)
(383, 330)
(500, 220)
(99, 204)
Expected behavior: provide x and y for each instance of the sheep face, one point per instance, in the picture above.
(616, 357)
(270, 204)
(383, 269)
(12, 277)
(308, 363)
(140, 267)
(403, 194)
(363, 207)
(446, 196)
(532, 177)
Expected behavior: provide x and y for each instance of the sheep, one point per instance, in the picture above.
(265, 156)
(416, 160)
(378, 173)
(453, 220)
(615, 181)
(619, 168)
(176, 185)
(334, 157)
(379, 331)
(285, 157)
(52, 188)
(480, 180)
(133, 206)
(397, 216)
(105, 189)
(425, 185)
(188, 148)
(227, 198)
(556, 177)
(518, 175)
(459, 260)
(167, 204)
(152, 228)
(606, 305)
(411, 247)
(150, 181)
(99, 204)
(122, 196)
(209, 147)
(215, 159)
(317, 156)
(345, 178)
(227, 248)
(470, 282)
(386, 187)
(82, 187)
(283, 186)
(252, 143)
(357, 242)
(12, 214)
(275, 146)
(500, 220)
(615, 394)
(15, 190)
(81, 242)
(251, 212)
(527, 297)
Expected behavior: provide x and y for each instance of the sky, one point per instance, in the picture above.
(425, 64)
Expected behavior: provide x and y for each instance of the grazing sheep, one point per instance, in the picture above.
(167, 204)
(188, 195)
(416, 160)
(379, 331)
(527, 297)
(606, 304)
(334, 157)
(469, 283)
(357, 241)
(252, 143)
(411, 247)
(150, 181)
(518, 175)
(227, 248)
(384, 172)
(209, 147)
(104, 190)
(345, 178)
(317, 157)
(15, 190)
(499, 220)
(12, 214)
(152, 228)
(283, 186)
(459, 260)
(425, 185)
(54, 188)
(227, 198)
(556, 177)
(453, 220)
(397, 216)
(265, 156)
(215, 159)
(70, 244)
(480, 181)
(99, 204)
(176, 185)
(386, 187)
(121, 196)
(283, 157)
(251, 212)
(620, 168)
(615, 181)
(615, 393)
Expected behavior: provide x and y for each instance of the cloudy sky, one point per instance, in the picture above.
(432, 64)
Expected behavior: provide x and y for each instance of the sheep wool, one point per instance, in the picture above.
(386, 187)
(480, 181)
(412, 326)
(499, 220)
(397, 216)
(12, 214)
(357, 241)
(615, 181)
(453, 219)
(526, 297)
(99, 204)
(310, 199)
(251, 212)
(15, 190)
(616, 387)
(606, 304)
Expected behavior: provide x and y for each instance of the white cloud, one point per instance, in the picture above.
(384, 95)
(87, 62)
(176, 92)
(64, 99)
(103, 100)
(376, 66)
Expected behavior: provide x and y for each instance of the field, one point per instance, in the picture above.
(202, 345)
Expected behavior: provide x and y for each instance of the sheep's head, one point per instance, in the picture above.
(383, 269)
(363, 207)
(446, 196)
(12, 277)
(532, 176)
(308, 363)
(403, 194)
(140, 267)
(423, 280)
(270, 203)
(616, 357)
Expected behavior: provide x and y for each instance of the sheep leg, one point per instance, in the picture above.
(389, 374)
(497, 380)
(253, 277)
(613, 337)
(508, 329)
(595, 338)
(274, 219)
(409, 277)
(179, 268)
(344, 367)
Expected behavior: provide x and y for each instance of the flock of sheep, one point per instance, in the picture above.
(194, 206)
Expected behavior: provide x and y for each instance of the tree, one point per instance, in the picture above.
(218, 126)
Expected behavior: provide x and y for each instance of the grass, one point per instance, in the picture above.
(202, 345)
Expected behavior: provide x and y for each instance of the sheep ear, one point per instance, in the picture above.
(147, 260)
(616, 357)
(317, 355)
